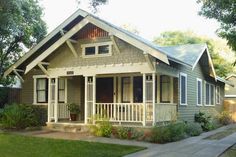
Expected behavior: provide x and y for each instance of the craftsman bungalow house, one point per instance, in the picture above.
(113, 73)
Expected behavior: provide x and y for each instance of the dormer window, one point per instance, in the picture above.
(96, 49)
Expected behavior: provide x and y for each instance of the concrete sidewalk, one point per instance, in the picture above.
(190, 147)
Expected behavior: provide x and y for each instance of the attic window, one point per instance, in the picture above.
(96, 49)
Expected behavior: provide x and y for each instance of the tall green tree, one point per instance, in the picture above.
(170, 38)
(21, 26)
(224, 11)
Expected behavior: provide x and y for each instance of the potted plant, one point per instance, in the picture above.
(74, 111)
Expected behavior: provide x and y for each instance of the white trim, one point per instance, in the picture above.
(57, 44)
(154, 98)
(186, 94)
(144, 99)
(209, 59)
(56, 101)
(35, 77)
(85, 100)
(96, 45)
(199, 80)
(49, 99)
(213, 103)
(230, 96)
(46, 39)
(216, 94)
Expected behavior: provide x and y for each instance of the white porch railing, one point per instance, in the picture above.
(133, 112)
(120, 112)
(63, 112)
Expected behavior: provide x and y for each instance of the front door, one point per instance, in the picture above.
(104, 90)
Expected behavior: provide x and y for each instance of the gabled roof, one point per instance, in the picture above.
(189, 54)
(150, 48)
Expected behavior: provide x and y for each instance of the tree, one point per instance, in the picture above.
(21, 27)
(171, 38)
(223, 11)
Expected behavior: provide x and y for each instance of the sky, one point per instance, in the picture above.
(149, 17)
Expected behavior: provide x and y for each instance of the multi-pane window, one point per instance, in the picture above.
(165, 89)
(97, 49)
(183, 89)
(199, 92)
(126, 92)
(218, 95)
(90, 50)
(209, 94)
(61, 90)
(138, 89)
(41, 90)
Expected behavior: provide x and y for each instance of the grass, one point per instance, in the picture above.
(222, 134)
(24, 146)
(230, 152)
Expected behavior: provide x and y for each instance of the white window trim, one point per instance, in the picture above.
(216, 95)
(35, 77)
(199, 80)
(96, 45)
(186, 83)
(210, 84)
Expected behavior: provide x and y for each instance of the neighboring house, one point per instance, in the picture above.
(230, 95)
(113, 73)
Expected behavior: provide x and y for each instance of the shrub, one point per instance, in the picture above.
(225, 118)
(193, 129)
(19, 116)
(205, 121)
(102, 128)
(169, 133)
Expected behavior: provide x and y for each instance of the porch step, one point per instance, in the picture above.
(67, 127)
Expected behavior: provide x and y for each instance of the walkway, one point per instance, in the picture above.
(194, 146)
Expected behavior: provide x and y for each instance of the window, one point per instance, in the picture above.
(218, 95)
(183, 89)
(165, 89)
(126, 93)
(41, 90)
(209, 94)
(61, 90)
(89, 51)
(97, 49)
(138, 89)
(199, 92)
(104, 49)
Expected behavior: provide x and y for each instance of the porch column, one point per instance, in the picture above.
(154, 98)
(49, 99)
(171, 89)
(85, 101)
(56, 101)
(144, 99)
(94, 97)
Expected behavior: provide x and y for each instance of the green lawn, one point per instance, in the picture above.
(222, 134)
(24, 146)
(230, 153)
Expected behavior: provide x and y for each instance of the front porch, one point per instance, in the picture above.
(132, 98)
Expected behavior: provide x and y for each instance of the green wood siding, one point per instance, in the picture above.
(186, 113)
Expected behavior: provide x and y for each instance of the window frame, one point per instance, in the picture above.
(35, 102)
(199, 80)
(65, 90)
(96, 45)
(161, 87)
(217, 94)
(210, 94)
(186, 90)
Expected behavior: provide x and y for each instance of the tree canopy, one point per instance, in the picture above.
(21, 27)
(170, 38)
(224, 11)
